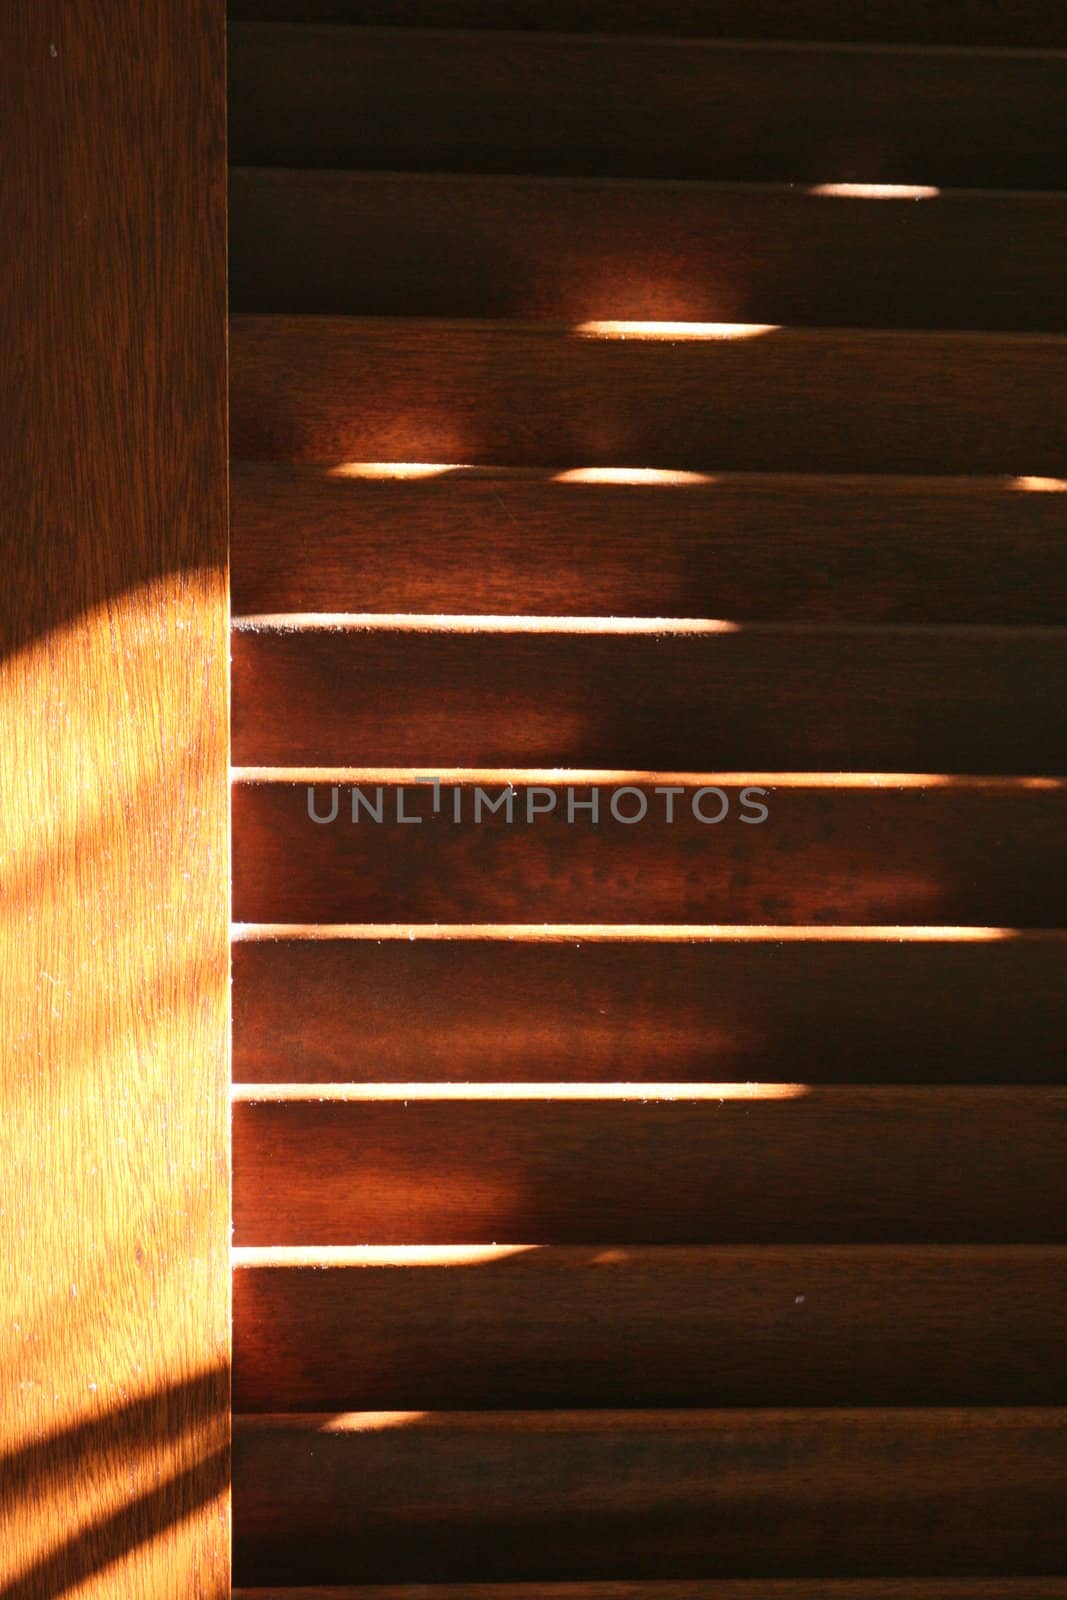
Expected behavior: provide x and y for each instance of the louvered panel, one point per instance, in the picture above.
(772, 548)
(615, 410)
(335, 390)
(466, 1003)
(855, 849)
(453, 101)
(541, 1326)
(648, 1493)
(576, 250)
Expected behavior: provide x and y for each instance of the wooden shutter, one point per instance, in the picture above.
(627, 398)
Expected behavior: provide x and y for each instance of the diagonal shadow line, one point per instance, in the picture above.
(171, 1412)
(103, 1543)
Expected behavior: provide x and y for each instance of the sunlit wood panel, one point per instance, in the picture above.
(113, 699)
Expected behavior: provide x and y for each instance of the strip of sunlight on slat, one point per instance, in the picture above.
(560, 776)
(639, 1093)
(431, 622)
(631, 475)
(373, 1255)
(611, 329)
(876, 191)
(634, 932)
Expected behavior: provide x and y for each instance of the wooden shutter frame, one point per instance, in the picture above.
(114, 1136)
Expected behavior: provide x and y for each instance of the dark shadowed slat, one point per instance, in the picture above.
(562, 249)
(418, 1496)
(863, 850)
(406, 99)
(652, 1326)
(705, 1164)
(799, 698)
(338, 389)
(965, 22)
(773, 548)
(860, 1005)
(691, 1589)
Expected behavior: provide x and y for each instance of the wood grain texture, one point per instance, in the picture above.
(403, 99)
(864, 851)
(968, 22)
(652, 1326)
(113, 699)
(770, 1164)
(322, 1005)
(575, 250)
(748, 547)
(444, 1496)
(764, 697)
(502, 394)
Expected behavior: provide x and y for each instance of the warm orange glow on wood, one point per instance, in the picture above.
(114, 1337)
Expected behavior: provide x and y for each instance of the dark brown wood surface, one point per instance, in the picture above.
(770, 547)
(648, 1326)
(114, 1222)
(402, 99)
(543, 334)
(966, 22)
(576, 250)
(861, 1005)
(689, 697)
(633, 1164)
(862, 850)
(336, 390)
(691, 1589)
(603, 1494)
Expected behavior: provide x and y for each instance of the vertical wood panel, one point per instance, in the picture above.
(113, 697)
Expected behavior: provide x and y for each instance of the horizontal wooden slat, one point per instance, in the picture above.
(789, 698)
(575, 250)
(692, 1589)
(681, 1164)
(497, 102)
(747, 547)
(855, 850)
(968, 22)
(653, 1326)
(609, 1494)
(859, 1005)
(344, 389)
